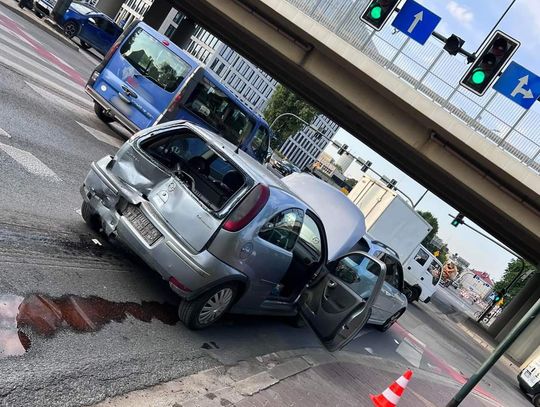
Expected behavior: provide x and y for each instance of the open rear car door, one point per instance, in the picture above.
(338, 304)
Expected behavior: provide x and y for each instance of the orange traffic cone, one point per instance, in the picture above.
(390, 397)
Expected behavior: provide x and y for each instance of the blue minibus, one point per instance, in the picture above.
(145, 80)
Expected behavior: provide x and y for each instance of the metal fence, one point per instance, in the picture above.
(436, 74)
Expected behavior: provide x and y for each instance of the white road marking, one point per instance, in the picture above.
(97, 242)
(104, 137)
(4, 133)
(30, 162)
(57, 99)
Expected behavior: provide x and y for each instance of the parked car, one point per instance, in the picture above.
(391, 303)
(529, 381)
(146, 79)
(92, 27)
(44, 8)
(228, 235)
(29, 4)
(285, 168)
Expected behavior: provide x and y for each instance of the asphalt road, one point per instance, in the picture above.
(122, 331)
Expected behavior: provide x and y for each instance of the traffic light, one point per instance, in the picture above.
(453, 44)
(458, 220)
(499, 295)
(492, 58)
(377, 12)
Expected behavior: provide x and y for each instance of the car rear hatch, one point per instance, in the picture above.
(189, 183)
(142, 77)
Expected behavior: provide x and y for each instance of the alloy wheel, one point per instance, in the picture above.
(215, 306)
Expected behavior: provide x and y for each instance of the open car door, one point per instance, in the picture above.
(338, 304)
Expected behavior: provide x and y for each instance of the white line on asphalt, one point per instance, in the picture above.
(4, 133)
(97, 242)
(104, 137)
(59, 100)
(12, 42)
(30, 162)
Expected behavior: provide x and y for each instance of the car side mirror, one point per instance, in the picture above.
(92, 21)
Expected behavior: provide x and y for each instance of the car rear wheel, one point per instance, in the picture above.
(71, 29)
(91, 218)
(208, 308)
(38, 13)
(390, 321)
(100, 113)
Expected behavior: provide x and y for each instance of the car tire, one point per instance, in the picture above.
(85, 45)
(427, 300)
(412, 294)
(536, 400)
(390, 321)
(100, 113)
(208, 308)
(90, 218)
(71, 29)
(38, 13)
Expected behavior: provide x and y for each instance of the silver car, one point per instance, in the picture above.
(228, 235)
(391, 302)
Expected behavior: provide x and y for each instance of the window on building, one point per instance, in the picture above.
(178, 17)
(170, 31)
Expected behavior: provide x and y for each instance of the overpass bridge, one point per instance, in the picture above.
(481, 155)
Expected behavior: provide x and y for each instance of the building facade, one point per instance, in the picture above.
(132, 10)
(478, 282)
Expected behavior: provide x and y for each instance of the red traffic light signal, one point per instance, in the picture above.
(492, 58)
(377, 12)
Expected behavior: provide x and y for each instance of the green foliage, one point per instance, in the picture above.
(285, 101)
(432, 220)
(512, 270)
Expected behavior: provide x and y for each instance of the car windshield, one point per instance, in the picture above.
(154, 60)
(209, 176)
(218, 110)
(81, 8)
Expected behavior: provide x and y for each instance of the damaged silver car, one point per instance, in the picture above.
(229, 236)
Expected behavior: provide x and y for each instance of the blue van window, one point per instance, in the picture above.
(213, 106)
(259, 144)
(154, 60)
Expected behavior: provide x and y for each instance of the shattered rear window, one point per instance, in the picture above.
(209, 176)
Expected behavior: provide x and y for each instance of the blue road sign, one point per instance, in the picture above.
(416, 21)
(519, 85)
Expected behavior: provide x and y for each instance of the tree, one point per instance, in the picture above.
(285, 101)
(512, 270)
(432, 220)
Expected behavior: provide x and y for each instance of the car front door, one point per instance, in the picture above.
(91, 33)
(338, 304)
(388, 302)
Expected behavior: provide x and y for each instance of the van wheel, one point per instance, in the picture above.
(38, 13)
(208, 308)
(390, 321)
(100, 113)
(428, 299)
(536, 400)
(90, 218)
(71, 29)
(412, 294)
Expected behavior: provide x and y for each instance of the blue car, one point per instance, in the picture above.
(92, 27)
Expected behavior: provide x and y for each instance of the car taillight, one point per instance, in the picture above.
(174, 283)
(175, 102)
(246, 211)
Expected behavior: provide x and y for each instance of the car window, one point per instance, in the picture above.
(81, 8)
(310, 235)
(393, 274)
(359, 272)
(435, 270)
(108, 27)
(213, 106)
(154, 60)
(421, 257)
(259, 144)
(283, 229)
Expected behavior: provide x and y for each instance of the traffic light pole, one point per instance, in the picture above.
(494, 357)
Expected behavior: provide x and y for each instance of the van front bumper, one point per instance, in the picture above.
(168, 255)
(111, 110)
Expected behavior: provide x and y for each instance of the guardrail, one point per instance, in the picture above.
(436, 74)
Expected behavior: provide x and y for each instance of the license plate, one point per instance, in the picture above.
(142, 224)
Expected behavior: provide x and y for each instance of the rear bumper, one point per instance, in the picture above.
(111, 110)
(169, 255)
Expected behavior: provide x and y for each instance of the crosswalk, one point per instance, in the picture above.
(56, 82)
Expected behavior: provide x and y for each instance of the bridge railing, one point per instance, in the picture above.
(436, 74)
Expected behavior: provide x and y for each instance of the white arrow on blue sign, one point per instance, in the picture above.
(416, 21)
(519, 85)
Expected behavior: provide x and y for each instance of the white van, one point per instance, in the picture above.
(422, 272)
(529, 381)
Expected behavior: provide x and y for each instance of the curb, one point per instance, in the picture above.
(228, 385)
(45, 26)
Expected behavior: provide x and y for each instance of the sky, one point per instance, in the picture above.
(471, 20)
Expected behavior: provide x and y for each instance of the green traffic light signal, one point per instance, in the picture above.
(478, 76)
(455, 223)
(376, 12)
